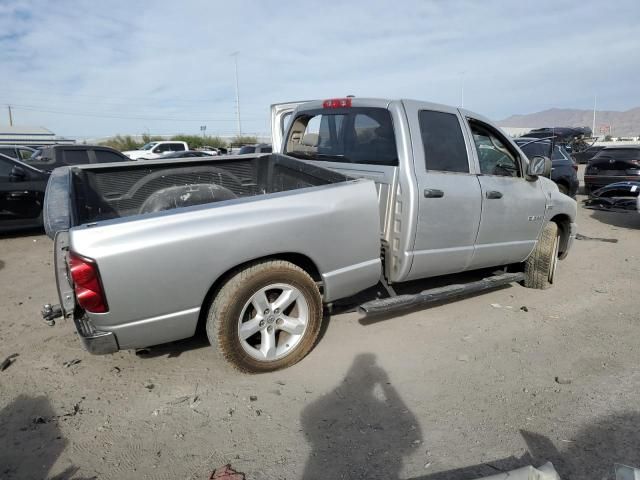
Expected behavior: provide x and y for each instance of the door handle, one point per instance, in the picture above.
(433, 193)
(491, 194)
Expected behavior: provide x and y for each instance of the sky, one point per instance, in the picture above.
(97, 68)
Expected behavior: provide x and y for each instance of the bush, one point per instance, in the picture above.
(122, 143)
(240, 140)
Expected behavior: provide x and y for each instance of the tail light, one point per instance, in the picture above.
(575, 166)
(337, 103)
(86, 283)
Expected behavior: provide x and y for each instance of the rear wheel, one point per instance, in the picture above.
(266, 317)
(540, 267)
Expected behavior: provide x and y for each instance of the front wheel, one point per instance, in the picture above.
(540, 267)
(266, 317)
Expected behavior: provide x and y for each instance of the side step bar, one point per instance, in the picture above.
(434, 295)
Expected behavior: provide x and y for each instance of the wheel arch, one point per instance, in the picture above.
(564, 228)
(298, 259)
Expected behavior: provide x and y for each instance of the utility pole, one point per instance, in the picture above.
(593, 126)
(235, 57)
(10, 116)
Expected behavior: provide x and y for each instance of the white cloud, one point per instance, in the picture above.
(171, 60)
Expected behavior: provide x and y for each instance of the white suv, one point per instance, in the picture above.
(156, 150)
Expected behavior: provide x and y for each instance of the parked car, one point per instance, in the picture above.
(18, 152)
(257, 148)
(611, 165)
(54, 156)
(186, 154)
(156, 149)
(564, 170)
(22, 190)
(252, 246)
(586, 155)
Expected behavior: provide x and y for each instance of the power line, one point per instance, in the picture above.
(34, 108)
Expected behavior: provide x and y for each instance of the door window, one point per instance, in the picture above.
(24, 153)
(105, 156)
(75, 157)
(494, 154)
(5, 169)
(444, 147)
(353, 135)
(9, 152)
(177, 147)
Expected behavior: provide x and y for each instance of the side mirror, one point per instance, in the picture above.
(17, 174)
(539, 167)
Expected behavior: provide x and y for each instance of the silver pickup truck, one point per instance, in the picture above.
(362, 192)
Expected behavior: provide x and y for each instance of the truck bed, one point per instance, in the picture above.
(110, 191)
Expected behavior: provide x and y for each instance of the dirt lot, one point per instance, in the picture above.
(456, 391)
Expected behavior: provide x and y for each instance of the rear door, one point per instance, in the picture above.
(513, 208)
(449, 205)
(280, 116)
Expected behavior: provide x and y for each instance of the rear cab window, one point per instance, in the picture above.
(347, 135)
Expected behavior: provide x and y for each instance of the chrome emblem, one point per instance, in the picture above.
(612, 161)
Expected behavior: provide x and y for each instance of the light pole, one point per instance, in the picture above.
(235, 58)
(593, 126)
(203, 128)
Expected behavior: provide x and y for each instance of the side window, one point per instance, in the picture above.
(493, 154)
(24, 153)
(5, 169)
(163, 147)
(177, 147)
(9, 152)
(444, 147)
(75, 157)
(266, 150)
(105, 156)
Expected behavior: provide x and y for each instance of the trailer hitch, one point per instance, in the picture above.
(50, 313)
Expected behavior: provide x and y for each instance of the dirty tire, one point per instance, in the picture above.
(230, 301)
(539, 268)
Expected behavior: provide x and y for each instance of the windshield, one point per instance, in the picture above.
(148, 146)
(349, 135)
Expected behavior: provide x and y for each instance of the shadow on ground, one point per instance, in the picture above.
(629, 219)
(30, 440)
(363, 429)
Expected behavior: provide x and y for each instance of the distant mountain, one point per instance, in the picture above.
(623, 123)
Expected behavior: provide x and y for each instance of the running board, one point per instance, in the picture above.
(434, 295)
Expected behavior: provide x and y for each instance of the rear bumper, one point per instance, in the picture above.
(95, 341)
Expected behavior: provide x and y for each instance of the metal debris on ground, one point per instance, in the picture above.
(253, 398)
(7, 362)
(579, 236)
(563, 381)
(70, 363)
(524, 308)
(226, 473)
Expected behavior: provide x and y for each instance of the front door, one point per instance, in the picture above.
(513, 207)
(20, 197)
(449, 206)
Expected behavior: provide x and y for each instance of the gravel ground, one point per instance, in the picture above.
(456, 391)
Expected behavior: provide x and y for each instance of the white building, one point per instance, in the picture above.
(19, 135)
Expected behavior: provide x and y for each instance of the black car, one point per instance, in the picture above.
(611, 165)
(23, 183)
(54, 156)
(257, 148)
(586, 155)
(564, 171)
(21, 194)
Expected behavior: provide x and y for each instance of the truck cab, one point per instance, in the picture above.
(454, 191)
